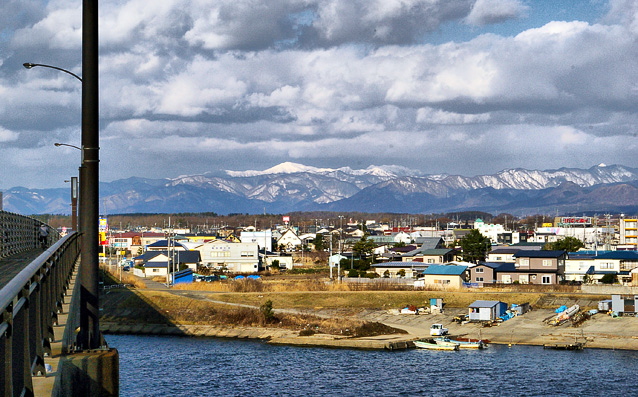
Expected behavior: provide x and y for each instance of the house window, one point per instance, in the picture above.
(524, 261)
(430, 260)
(607, 265)
(546, 280)
(479, 270)
(498, 258)
(479, 279)
(547, 262)
(245, 254)
(507, 279)
(155, 270)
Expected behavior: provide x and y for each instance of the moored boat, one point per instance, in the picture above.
(435, 346)
(462, 344)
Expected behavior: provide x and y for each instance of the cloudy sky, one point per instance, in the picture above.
(441, 86)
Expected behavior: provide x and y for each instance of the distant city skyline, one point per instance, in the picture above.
(453, 86)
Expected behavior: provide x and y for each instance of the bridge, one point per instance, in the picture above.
(42, 349)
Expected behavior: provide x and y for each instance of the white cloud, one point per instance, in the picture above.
(323, 79)
(485, 12)
(7, 136)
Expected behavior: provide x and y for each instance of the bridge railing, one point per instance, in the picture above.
(29, 307)
(19, 233)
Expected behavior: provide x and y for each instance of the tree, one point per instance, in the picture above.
(267, 311)
(609, 279)
(475, 246)
(401, 273)
(386, 274)
(569, 244)
(318, 242)
(363, 247)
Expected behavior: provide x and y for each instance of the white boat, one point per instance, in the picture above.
(435, 346)
(462, 344)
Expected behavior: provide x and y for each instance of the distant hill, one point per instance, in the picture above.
(296, 187)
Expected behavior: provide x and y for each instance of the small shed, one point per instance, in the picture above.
(481, 310)
(621, 304)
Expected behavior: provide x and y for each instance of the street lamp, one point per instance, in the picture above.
(30, 65)
(89, 336)
(74, 202)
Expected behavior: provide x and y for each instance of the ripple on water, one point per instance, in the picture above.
(181, 366)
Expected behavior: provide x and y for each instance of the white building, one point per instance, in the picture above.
(490, 230)
(629, 232)
(262, 237)
(290, 240)
(230, 256)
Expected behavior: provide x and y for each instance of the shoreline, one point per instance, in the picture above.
(501, 335)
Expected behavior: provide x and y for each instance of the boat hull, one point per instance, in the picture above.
(435, 346)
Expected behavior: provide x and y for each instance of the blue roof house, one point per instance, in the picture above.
(445, 276)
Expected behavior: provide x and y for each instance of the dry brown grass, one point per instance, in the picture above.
(164, 307)
(126, 277)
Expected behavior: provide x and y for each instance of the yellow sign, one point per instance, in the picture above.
(101, 254)
(547, 225)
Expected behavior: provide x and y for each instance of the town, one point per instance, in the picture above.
(471, 254)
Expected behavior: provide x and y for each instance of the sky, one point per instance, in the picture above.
(465, 87)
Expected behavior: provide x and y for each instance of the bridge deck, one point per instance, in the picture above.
(12, 265)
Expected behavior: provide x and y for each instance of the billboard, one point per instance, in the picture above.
(575, 221)
(103, 225)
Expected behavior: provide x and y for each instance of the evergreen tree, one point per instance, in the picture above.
(475, 246)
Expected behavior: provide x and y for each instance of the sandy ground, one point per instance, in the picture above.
(601, 331)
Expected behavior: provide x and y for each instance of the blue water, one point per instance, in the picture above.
(179, 366)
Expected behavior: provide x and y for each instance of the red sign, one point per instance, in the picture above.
(286, 219)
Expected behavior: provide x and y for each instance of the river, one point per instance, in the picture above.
(185, 366)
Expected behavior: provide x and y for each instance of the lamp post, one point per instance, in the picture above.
(74, 190)
(74, 202)
(89, 335)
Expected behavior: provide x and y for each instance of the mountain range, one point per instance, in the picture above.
(295, 187)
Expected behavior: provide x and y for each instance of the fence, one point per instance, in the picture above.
(19, 233)
(29, 307)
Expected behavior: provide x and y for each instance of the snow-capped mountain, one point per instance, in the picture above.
(296, 187)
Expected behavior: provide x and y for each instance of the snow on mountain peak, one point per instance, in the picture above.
(288, 167)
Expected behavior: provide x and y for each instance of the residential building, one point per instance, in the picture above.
(155, 263)
(411, 269)
(289, 240)
(629, 232)
(536, 267)
(502, 254)
(262, 238)
(487, 272)
(431, 256)
(230, 256)
(446, 276)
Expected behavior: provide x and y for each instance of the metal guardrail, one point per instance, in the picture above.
(29, 305)
(19, 233)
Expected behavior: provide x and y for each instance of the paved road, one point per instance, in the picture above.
(11, 266)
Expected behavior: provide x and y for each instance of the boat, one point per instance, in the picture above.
(462, 344)
(435, 346)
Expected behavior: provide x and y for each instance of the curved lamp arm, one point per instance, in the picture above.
(29, 65)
